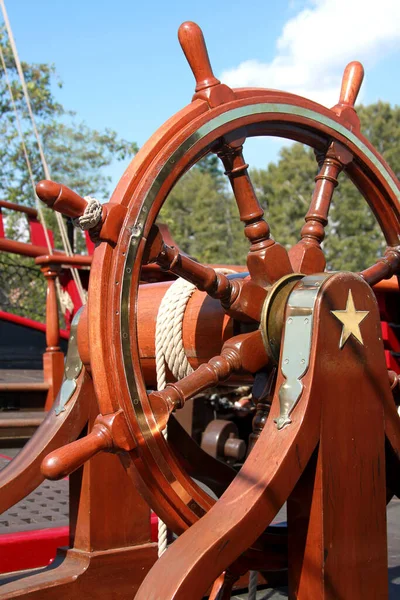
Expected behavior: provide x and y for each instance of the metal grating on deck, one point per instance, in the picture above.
(47, 506)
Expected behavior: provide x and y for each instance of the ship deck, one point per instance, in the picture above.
(47, 507)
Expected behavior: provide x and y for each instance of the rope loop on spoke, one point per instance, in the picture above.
(91, 216)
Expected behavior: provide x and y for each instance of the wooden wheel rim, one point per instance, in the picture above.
(114, 281)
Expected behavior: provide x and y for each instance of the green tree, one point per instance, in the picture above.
(203, 218)
(353, 237)
(284, 191)
(76, 154)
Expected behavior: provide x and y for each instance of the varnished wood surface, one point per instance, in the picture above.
(22, 248)
(21, 418)
(110, 549)
(156, 468)
(22, 475)
(31, 212)
(205, 328)
(77, 260)
(212, 543)
(116, 573)
(308, 448)
(388, 285)
(21, 376)
(393, 526)
(61, 198)
(24, 387)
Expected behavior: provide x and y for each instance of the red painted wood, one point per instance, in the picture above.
(89, 244)
(154, 527)
(391, 362)
(37, 548)
(28, 210)
(25, 322)
(37, 233)
(31, 549)
(389, 337)
(23, 248)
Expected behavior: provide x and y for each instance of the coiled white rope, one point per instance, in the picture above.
(169, 343)
(253, 581)
(171, 353)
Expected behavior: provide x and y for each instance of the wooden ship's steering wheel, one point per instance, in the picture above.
(218, 121)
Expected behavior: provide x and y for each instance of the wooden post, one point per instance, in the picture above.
(322, 449)
(110, 537)
(53, 358)
(337, 512)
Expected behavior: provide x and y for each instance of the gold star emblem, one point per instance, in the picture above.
(351, 319)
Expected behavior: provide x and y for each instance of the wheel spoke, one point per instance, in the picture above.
(307, 256)
(351, 83)
(241, 297)
(250, 210)
(243, 352)
(267, 260)
(384, 268)
(205, 278)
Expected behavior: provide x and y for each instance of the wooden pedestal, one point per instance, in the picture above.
(110, 552)
(337, 512)
(327, 460)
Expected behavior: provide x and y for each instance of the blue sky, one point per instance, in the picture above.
(122, 67)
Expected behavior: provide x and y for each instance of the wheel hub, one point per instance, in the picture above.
(273, 312)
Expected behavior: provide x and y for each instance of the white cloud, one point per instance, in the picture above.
(318, 42)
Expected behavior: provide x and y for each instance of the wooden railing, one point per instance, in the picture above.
(53, 266)
(53, 359)
(36, 229)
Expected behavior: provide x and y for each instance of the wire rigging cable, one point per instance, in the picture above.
(46, 170)
(25, 151)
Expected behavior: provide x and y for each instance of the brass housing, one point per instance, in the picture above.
(273, 313)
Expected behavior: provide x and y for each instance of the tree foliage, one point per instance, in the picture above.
(353, 237)
(200, 210)
(76, 156)
(202, 215)
(22, 287)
